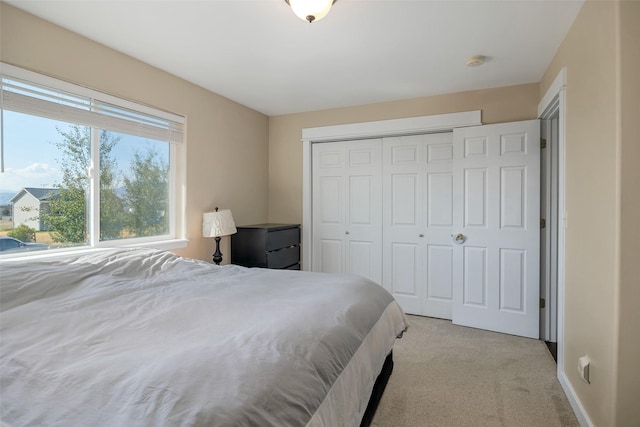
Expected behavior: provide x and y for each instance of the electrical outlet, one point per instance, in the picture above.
(584, 365)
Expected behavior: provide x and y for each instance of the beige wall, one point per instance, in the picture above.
(227, 143)
(285, 149)
(628, 368)
(599, 320)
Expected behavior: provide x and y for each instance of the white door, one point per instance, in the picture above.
(418, 219)
(347, 208)
(496, 172)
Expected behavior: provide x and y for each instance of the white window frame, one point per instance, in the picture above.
(176, 237)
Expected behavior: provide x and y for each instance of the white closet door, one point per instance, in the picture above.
(328, 207)
(496, 211)
(347, 208)
(418, 219)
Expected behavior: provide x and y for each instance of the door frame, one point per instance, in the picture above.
(549, 234)
(362, 130)
(554, 103)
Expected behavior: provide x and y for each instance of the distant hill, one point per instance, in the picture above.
(5, 196)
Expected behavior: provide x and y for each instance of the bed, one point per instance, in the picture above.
(139, 337)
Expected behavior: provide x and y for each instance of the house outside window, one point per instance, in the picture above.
(81, 169)
(27, 205)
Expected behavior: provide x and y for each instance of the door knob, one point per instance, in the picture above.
(421, 235)
(458, 238)
(346, 232)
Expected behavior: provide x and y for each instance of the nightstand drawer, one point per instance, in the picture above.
(283, 258)
(267, 245)
(279, 239)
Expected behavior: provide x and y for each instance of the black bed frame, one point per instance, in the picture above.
(378, 389)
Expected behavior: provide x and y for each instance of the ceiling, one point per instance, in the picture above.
(258, 53)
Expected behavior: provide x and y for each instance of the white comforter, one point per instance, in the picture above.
(146, 338)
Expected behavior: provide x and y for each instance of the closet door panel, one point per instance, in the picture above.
(497, 265)
(418, 211)
(331, 196)
(404, 198)
(360, 203)
(439, 280)
(440, 267)
(361, 258)
(330, 256)
(439, 225)
(440, 200)
(363, 232)
(475, 276)
(329, 208)
(403, 265)
(404, 283)
(347, 198)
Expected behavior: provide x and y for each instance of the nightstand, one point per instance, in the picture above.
(267, 246)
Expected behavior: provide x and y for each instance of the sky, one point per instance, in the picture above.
(31, 158)
(29, 152)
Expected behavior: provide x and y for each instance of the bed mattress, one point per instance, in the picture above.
(143, 337)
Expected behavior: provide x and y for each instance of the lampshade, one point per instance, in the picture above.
(217, 224)
(310, 10)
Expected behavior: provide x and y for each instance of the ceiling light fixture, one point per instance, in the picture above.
(476, 60)
(310, 10)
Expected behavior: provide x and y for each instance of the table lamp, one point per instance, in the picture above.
(218, 224)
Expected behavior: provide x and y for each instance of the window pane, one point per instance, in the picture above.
(134, 186)
(44, 186)
(50, 130)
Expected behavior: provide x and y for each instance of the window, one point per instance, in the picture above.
(79, 168)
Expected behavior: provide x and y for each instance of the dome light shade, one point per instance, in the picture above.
(476, 60)
(310, 10)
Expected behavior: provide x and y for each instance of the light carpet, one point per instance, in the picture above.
(448, 375)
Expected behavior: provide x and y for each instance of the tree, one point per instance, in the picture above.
(67, 215)
(112, 214)
(146, 194)
(23, 232)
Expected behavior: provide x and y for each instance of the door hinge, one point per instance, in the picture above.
(542, 303)
(543, 143)
(543, 223)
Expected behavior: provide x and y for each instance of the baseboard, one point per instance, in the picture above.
(575, 403)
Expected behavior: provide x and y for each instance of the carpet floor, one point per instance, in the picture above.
(448, 375)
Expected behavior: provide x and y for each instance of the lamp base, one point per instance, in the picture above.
(217, 255)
